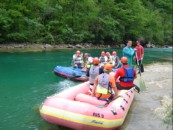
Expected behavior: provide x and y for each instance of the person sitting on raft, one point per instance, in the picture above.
(103, 58)
(77, 60)
(87, 62)
(93, 72)
(126, 76)
(116, 60)
(104, 85)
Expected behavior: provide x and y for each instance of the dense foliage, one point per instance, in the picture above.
(76, 21)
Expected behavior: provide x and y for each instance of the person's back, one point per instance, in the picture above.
(126, 75)
(93, 72)
(104, 85)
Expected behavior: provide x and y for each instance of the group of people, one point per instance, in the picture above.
(103, 85)
(86, 61)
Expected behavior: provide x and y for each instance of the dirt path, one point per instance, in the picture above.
(142, 114)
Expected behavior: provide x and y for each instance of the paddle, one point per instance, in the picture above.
(141, 81)
(136, 88)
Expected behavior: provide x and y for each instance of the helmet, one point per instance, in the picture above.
(124, 59)
(103, 53)
(114, 53)
(77, 52)
(107, 53)
(108, 67)
(95, 61)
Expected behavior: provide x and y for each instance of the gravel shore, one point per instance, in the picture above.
(147, 111)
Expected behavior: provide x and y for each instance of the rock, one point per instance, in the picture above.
(70, 46)
(150, 45)
(121, 45)
(108, 46)
(47, 46)
(79, 46)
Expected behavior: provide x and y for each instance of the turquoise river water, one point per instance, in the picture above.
(27, 78)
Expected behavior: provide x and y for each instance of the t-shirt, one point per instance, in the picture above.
(139, 51)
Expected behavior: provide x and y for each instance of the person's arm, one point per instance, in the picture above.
(113, 85)
(135, 75)
(127, 52)
(142, 52)
(95, 86)
(116, 75)
(87, 73)
(117, 62)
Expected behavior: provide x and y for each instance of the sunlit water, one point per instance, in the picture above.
(26, 79)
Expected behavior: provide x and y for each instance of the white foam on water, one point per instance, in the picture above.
(62, 85)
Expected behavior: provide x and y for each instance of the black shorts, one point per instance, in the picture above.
(119, 87)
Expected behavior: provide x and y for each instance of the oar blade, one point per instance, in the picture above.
(142, 85)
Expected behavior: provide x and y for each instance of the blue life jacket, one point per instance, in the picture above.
(129, 77)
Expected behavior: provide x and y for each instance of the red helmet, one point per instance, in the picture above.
(78, 52)
(95, 61)
(124, 59)
(114, 53)
(107, 53)
(108, 67)
(103, 53)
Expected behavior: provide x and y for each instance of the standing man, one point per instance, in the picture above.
(129, 52)
(139, 55)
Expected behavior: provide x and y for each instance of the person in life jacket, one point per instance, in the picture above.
(109, 58)
(77, 60)
(93, 72)
(116, 60)
(87, 62)
(126, 75)
(104, 85)
(103, 59)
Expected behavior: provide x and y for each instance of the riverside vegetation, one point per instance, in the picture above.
(59, 22)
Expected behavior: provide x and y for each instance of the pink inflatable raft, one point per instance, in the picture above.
(75, 109)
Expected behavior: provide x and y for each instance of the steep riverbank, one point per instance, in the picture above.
(147, 111)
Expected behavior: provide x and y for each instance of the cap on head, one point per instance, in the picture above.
(107, 67)
(124, 60)
(95, 61)
(114, 53)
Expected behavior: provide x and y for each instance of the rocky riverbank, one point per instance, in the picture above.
(46, 47)
(152, 109)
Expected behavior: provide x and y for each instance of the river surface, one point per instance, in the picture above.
(27, 78)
